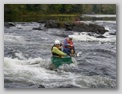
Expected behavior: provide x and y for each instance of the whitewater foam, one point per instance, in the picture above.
(13, 38)
(83, 36)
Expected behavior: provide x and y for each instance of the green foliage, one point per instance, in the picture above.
(15, 12)
(33, 7)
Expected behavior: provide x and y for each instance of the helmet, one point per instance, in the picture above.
(57, 42)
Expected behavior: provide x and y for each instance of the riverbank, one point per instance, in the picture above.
(32, 17)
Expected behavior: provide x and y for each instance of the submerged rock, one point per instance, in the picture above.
(9, 24)
(68, 86)
(52, 24)
(82, 27)
(68, 26)
(101, 36)
(78, 27)
(41, 86)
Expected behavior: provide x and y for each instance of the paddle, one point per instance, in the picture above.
(78, 54)
(74, 60)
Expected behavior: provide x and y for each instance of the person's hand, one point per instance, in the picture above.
(62, 56)
(71, 54)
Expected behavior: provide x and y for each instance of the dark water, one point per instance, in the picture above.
(27, 59)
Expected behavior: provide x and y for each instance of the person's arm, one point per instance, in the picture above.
(57, 51)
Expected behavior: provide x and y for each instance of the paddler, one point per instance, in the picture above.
(56, 49)
(68, 46)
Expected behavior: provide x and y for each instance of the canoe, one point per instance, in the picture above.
(57, 61)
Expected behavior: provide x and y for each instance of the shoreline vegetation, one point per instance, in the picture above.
(59, 12)
(60, 18)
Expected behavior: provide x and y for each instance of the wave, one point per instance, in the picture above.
(83, 36)
(12, 38)
(34, 72)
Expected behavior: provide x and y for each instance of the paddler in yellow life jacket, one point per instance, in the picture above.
(56, 49)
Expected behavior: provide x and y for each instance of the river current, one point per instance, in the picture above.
(27, 57)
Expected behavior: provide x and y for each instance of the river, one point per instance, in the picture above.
(27, 58)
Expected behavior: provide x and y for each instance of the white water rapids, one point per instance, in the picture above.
(27, 58)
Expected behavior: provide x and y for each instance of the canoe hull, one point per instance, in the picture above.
(56, 61)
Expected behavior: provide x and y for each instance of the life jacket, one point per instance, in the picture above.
(70, 44)
(54, 54)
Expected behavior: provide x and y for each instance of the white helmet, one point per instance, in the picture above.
(57, 42)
